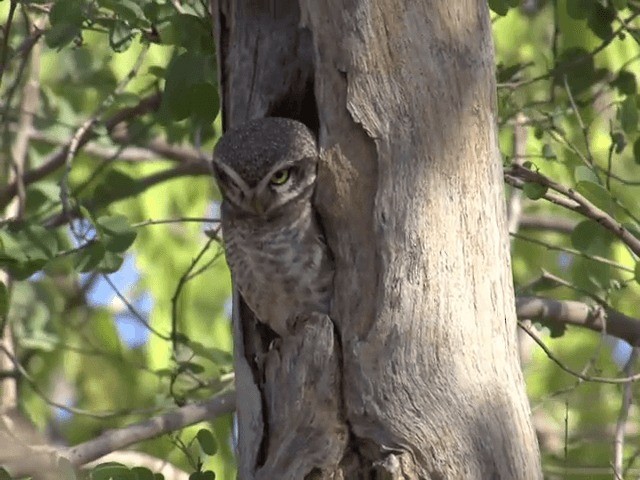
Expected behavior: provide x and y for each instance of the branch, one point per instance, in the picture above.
(543, 222)
(57, 159)
(183, 170)
(121, 438)
(570, 312)
(583, 206)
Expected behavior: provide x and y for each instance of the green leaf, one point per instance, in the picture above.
(579, 9)
(142, 473)
(10, 248)
(596, 194)
(41, 197)
(599, 21)
(111, 262)
(207, 441)
(4, 300)
(187, 73)
(215, 355)
(125, 9)
(590, 237)
(190, 367)
(189, 32)
(534, 191)
(4, 475)
(501, 7)
(547, 151)
(120, 36)
(116, 234)
(619, 4)
(115, 185)
(203, 103)
(583, 173)
(112, 471)
(625, 82)
(158, 12)
(637, 272)
(619, 141)
(88, 258)
(65, 17)
(628, 115)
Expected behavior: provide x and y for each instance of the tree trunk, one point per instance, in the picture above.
(417, 376)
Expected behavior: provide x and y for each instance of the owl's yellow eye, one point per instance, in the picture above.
(280, 177)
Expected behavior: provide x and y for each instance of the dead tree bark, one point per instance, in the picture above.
(417, 376)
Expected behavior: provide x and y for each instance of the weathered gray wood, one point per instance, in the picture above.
(410, 191)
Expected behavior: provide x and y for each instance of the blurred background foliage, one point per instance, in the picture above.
(116, 300)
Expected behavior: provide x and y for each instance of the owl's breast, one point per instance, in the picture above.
(280, 272)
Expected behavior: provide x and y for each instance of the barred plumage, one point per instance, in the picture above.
(274, 244)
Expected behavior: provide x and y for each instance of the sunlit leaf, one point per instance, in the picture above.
(583, 173)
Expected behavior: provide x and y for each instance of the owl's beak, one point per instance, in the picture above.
(257, 205)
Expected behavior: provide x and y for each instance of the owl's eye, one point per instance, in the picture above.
(280, 177)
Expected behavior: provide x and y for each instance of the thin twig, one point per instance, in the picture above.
(221, 404)
(571, 251)
(586, 378)
(181, 283)
(583, 128)
(584, 206)
(77, 411)
(132, 309)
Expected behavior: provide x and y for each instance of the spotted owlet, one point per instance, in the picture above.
(275, 248)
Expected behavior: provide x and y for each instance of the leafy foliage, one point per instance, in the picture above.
(101, 209)
(109, 208)
(568, 111)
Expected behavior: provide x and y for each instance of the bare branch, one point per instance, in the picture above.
(583, 206)
(121, 438)
(571, 251)
(183, 170)
(547, 223)
(570, 312)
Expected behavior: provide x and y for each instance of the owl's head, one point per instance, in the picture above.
(266, 165)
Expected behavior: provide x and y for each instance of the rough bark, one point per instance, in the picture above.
(417, 374)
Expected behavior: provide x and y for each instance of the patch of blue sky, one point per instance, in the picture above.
(132, 332)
